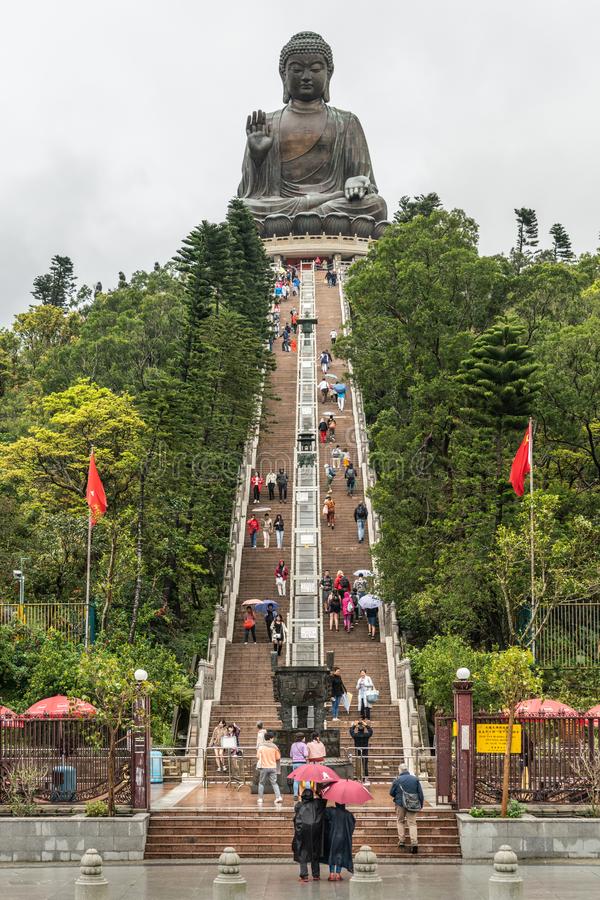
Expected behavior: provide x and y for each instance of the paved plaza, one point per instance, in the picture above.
(271, 882)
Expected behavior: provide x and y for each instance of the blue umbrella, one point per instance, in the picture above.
(262, 607)
(339, 388)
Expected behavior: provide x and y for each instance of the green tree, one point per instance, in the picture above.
(561, 243)
(421, 205)
(512, 676)
(527, 237)
(435, 667)
(57, 287)
(251, 265)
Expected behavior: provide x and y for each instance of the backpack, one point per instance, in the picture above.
(361, 511)
(350, 606)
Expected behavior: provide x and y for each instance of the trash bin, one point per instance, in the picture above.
(156, 767)
(64, 784)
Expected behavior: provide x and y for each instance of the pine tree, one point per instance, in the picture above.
(561, 246)
(251, 263)
(57, 287)
(527, 237)
(421, 205)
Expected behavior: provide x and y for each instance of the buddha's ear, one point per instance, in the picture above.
(286, 93)
(326, 90)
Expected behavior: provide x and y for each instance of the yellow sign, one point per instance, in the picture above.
(491, 738)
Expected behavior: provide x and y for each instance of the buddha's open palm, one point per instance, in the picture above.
(356, 187)
(260, 137)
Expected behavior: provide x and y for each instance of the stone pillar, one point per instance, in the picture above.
(337, 262)
(140, 754)
(229, 884)
(463, 713)
(506, 883)
(91, 884)
(365, 884)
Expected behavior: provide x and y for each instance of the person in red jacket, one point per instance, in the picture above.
(281, 576)
(253, 526)
(256, 483)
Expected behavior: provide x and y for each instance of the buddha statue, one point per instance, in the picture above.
(307, 167)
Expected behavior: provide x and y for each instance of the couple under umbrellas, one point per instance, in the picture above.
(321, 833)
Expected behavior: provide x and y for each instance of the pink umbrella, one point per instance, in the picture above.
(345, 791)
(9, 718)
(594, 711)
(60, 707)
(314, 772)
(543, 709)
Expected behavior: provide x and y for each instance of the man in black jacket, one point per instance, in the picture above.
(361, 733)
(282, 485)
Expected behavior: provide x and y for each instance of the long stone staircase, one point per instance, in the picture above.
(246, 694)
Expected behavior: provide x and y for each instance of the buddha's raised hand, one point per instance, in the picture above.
(356, 187)
(260, 138)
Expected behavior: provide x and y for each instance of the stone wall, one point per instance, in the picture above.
(530, 837)
(65, 838)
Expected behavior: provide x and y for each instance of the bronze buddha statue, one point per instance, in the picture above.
(307, 167)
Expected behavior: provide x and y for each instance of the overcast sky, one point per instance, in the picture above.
(123, 121)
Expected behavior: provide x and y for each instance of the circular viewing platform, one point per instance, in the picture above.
(311, 245)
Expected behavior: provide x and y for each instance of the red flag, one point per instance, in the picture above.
(94, 493)
(521, 464)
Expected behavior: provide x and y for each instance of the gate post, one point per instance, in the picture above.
(463, 713)
(443, 760)
(140, 749)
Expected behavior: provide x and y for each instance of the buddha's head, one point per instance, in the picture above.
(306, 67)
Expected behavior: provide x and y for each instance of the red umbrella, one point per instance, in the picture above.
(594, 711)
(60, 707)
(543, 709)
(345, 791)
(314, 772)
(9, 718)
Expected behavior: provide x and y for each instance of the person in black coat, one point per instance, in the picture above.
(307, 843)
(361, 733)
(339, 828)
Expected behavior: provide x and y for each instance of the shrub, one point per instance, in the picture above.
(515, 809)
(96, 808)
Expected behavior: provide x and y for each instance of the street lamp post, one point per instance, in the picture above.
(140, 756)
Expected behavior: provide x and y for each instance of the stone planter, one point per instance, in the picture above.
(530, 837)
(64, 839)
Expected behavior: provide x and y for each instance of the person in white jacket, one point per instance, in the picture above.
(278, 634)
(364, 686)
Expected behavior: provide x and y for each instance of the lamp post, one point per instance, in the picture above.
(463, 714)
(140, 761)
(18, 576)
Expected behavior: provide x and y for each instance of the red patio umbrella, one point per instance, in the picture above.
(60, 707)
(314, 772)
(344, 791)
(594, 711)
(541, 709)
(9, 718)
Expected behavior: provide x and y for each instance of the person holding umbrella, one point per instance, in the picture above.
(307, 843)
(249, 625)
(340, 389)
(269, 619)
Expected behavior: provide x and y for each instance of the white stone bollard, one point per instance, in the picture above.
(365, 884)
(229, 884)
(506, 883)
(91, 884)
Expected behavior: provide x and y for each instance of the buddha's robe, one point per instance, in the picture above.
(314, 180)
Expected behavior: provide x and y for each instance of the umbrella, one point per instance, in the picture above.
(263, 606)
(251, 602)
(331, 376)
(537, 708)
(9, 718)
(369, 601)
(344, 791)
(594, 711)
(60, 707)
(314, 772)
(366, 573)
(339, 388)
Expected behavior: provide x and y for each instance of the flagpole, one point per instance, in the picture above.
(532, 539)
(87, 583)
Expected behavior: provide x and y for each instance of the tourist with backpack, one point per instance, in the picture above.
(325, 361)
(361, 515)
(347, 610)
(334, 608)
(408, 799)
(323, 430)
(329, 510)
(350, 479)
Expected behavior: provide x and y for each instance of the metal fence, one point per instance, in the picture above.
(550, 762)
(570, 637)
(66, 618)
(62, 760)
